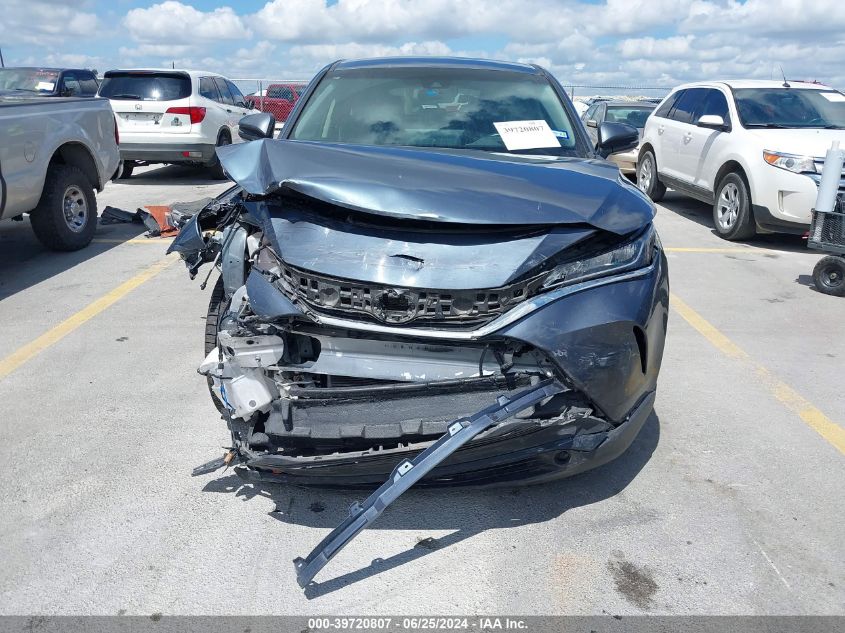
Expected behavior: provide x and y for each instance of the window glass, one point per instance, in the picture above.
(29, 80)
(208, 89)
(87, 84)
(225, 95)
(431, 107)
(714, 103)
(158, 86)
(663, 110)
(632, 115)
(790, 108)
(70, 85)
(686, 105)
(591, 112)
(237, 95)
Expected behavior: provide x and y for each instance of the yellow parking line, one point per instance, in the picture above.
(684, 249)
(134, 240)
(17, 358)
(782, 392)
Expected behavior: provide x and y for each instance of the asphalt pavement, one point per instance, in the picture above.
(729, 502)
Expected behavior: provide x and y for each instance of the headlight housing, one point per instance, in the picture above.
(790, 162)
(639, 252)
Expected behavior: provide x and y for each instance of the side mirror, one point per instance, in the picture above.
(250, 105)
(257, 126)
(616, 137)
(592, 123)
(711, 121)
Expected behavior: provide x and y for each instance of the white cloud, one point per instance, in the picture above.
(173, 22)
(38, 22)
(670, 47)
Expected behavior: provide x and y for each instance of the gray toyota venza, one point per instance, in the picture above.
(430, 276)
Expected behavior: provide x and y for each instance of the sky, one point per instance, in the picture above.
(635, 43)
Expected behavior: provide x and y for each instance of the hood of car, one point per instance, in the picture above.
(805, 142)
(450, 186)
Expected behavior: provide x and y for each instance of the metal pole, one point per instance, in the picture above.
(2, 63)
(261, 94)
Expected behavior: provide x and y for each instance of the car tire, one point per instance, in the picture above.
(732, 214)
(647, 178)
(829, 276)
(217, 306)
(66, 216)
(124, 170)
(215, 166)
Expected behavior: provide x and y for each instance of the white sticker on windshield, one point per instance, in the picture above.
(45, 85)
(526, 134)
(834, 96)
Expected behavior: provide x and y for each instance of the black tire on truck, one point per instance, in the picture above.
(217, 306)
(66, 216)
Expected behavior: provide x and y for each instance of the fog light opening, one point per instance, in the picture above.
(563, 457)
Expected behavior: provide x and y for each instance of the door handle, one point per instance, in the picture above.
(660, 130)
(687, 138)
(228, 110)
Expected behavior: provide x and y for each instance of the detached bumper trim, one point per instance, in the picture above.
(410, 471)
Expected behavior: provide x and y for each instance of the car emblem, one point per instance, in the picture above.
(394, 306)
(137, 106)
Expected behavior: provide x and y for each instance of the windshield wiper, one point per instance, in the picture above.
(772, 126)
(25, 90)
(125, 96)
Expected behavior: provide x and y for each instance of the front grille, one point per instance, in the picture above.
(397, 305)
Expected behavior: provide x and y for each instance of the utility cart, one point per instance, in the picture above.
(827, 231)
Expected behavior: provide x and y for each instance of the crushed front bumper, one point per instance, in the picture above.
(527, 453)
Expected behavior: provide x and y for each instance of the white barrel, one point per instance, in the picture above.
(831, 174)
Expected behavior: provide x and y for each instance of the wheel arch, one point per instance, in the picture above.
(647, 147)
(224, 131)
(78, 155)
(728, 167)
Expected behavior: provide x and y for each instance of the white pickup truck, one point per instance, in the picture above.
(54, 152)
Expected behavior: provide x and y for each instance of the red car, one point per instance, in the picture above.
(278, 100)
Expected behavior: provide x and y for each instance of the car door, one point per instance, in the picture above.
(676, 130)
(232, 113)
(656, 126)
(699, 144)
(241, 107)
(215, 109)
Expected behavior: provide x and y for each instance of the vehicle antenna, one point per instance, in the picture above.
(2, 63)
(785, 82)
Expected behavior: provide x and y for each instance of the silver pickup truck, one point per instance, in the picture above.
(53, 154)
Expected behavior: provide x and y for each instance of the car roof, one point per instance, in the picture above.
(192, 73)
(47, 68)
(436, 62)
(629, 104)
(754, 83)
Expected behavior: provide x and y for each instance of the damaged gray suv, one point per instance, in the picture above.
(430, 276)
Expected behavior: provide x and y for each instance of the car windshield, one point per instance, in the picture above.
(28, 80)
(790, 108)
(453, 108)
(146, 86)
(632, 115)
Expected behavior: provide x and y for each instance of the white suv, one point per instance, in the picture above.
(752, 149)
(173, 116)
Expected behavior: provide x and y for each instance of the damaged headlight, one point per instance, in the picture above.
(637, 253)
